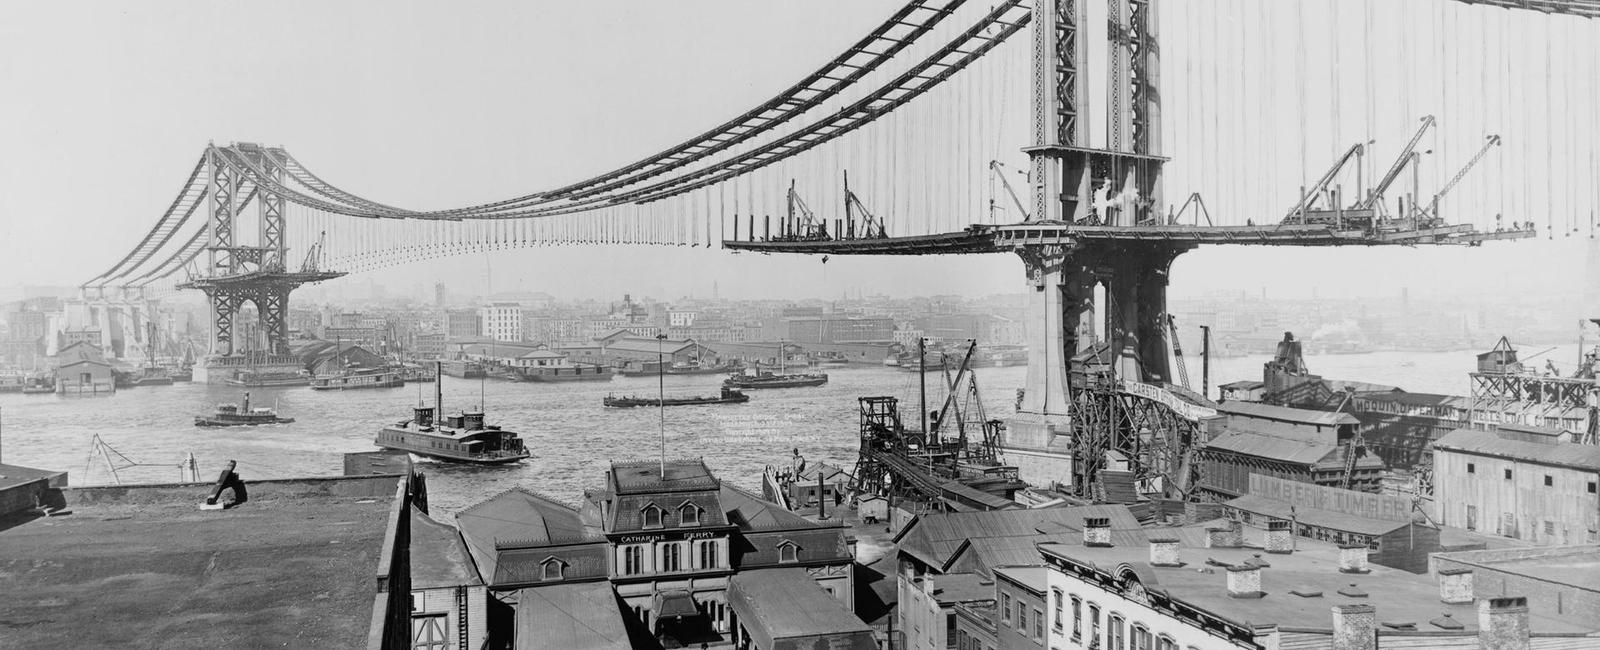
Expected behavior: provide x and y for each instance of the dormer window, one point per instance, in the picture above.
(688, 514)
(788, 552)
(652, 516)
(553, 569)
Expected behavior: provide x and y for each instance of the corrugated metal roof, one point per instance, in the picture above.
(934, 538)
(1260, 445)
(778, 604)
(1286, 414)
(581, 616)
(1314, 516)
(1488, 443)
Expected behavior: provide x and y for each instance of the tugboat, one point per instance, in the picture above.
(232, 415)
(729, 396)
(461, 438)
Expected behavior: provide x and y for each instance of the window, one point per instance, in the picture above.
(1022, 618)
(1508, 475)
(1140, 637)
(788, 552)
(632, 560)
(1114, 633)
(1472, 468)
(552, 569)
(1591, 487)
(1549, 528)
(1165, 642)
(950, 630)
(1472, 517)
(1056, 599)
(689, 515)
(427, 633)
(671, 559)
(709, 558)
(1077, 618)
(1038, 624)
(652, 517)
(1549, 481)
(1094, 625)
(1005, 608)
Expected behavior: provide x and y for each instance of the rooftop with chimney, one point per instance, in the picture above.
(1254, 579)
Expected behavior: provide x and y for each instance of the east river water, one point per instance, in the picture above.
(571, 435)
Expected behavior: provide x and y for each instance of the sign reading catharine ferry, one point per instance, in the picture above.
(1321, 497)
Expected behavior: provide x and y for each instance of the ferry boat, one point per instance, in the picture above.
(233, 415)
(728, 396)
(572, 372)
(152, 376)
(461, 438)
(462, 368)
(355, 378)
(651, 369)
(252, 379)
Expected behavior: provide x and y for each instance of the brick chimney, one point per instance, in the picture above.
(1097, 531)
(1355, 627)
(1244, 581)
(1503, 623)
(1278, 537)
(1353, 558)
(1164, 551)
(1455, 586)
(1229, 535)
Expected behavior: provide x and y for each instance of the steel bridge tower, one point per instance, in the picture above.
(1062, 432)
(236, 275)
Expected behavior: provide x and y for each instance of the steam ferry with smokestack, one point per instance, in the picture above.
(233, 415)
(459, 438)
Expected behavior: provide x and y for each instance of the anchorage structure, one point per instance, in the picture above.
(236, 274)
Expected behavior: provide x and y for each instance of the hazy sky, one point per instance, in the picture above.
(106, 105)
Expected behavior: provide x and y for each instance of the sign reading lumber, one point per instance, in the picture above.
(1321, 497)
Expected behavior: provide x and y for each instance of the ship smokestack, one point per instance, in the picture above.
(438, 389)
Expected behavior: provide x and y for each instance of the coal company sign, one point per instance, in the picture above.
(1350, 502)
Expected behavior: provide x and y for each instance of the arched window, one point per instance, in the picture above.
(671, 559)
(552, 569)
(1140, 637)
(788, 552)
(1114, 633)
(709, 557)
(1055, 599)
(1165, 642)
(689, 515)
(632, 560)
(652, 516)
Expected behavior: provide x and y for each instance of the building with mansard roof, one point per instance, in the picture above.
(664, 538)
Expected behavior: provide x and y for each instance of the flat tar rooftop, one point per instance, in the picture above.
(295, 566)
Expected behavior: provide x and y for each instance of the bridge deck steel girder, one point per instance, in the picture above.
(1583, 8)
(1000, 239)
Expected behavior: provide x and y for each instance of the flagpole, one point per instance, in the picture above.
(661, 400)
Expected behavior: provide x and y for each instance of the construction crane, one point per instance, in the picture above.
(802, 224)
(1177, 351)
(1408, 156)
(1309, 199)
(1431, 213)
(872, 227)
(996, 170)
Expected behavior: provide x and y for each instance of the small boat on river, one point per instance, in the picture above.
(765, 379)
(233, 415)
(728, 396)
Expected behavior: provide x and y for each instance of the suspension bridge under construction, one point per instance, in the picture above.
(1097, 140)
